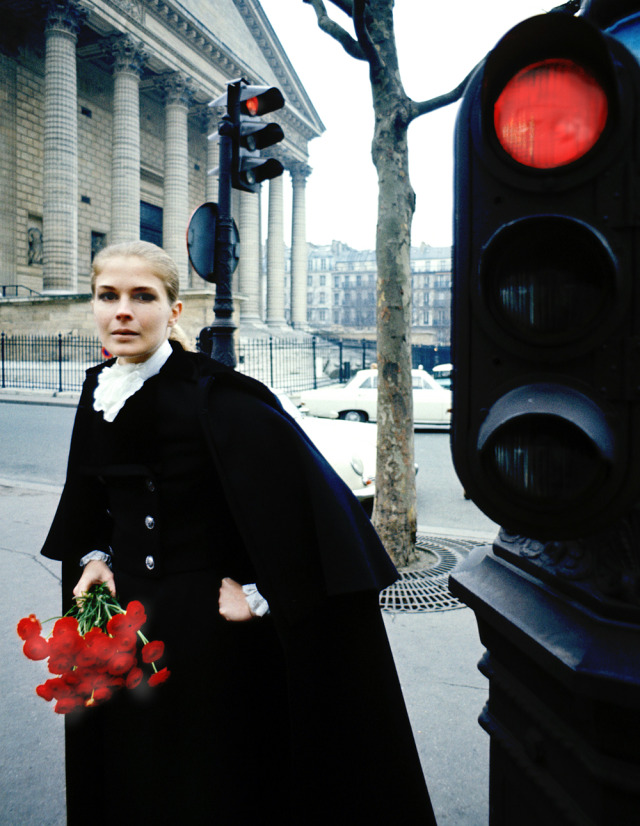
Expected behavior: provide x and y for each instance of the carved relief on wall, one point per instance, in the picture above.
(131, 8)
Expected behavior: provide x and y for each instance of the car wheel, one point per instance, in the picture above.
(353, 416)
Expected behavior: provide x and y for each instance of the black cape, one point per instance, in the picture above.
(339, 746)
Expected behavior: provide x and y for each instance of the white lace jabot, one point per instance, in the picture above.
(119, 382)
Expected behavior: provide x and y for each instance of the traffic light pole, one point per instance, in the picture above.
(560, 623)
(223, 328)
(212, 235)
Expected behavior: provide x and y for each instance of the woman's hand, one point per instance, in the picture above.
(232, 602)
(94, 573)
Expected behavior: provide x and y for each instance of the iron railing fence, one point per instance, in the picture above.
(55, 362)
(289, 365)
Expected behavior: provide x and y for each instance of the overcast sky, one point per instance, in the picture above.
(438, 42)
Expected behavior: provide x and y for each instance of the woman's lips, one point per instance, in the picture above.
(127, 333)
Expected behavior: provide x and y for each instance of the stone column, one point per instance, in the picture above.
(60, 195)
(249, 264)
(275, 255)
(125, 181)
(299, 257)
(8, 181)
(178, 96)
(213, 154)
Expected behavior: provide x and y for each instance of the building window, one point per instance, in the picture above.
(98, 242)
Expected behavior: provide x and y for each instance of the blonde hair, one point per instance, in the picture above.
(162, 265)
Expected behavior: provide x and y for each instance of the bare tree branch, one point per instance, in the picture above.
(360, 27)
(344, 5)
(334, 30)
(426, 106)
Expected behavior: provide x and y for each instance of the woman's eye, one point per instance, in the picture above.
(107, 296)
(145, 297)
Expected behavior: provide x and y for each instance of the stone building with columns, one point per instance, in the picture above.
(104, 138)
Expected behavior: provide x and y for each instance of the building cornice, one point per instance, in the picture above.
(289, 82)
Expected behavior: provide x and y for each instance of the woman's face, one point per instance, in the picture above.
(131, 309)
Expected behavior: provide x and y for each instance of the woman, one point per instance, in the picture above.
(190, 489)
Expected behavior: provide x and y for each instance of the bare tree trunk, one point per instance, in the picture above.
(395, 515)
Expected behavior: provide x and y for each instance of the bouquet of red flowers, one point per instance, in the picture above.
(92, 649)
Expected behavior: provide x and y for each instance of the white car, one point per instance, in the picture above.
(442, 374)
(349, 447)
(357, 400)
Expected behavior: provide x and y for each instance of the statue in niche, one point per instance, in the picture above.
(34, 241)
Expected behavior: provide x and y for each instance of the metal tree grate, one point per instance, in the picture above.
(428, 590)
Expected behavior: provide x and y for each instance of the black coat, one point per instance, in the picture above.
(301, 711)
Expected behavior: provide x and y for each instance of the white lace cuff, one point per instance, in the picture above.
(100, 555)
(258, 605)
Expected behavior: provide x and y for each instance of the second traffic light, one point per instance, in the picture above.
(249, 133)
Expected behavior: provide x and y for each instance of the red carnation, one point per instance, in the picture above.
(136, 616)
(58, 689)
(36, 648)
(152, 651)
(66, 640)
(159, 677)
(100, 645)
(102, 693)
(67, 704)
(120, 663)
(29, 627)
(65, 625)
(134, 677)
(45, 691)
(86, 658)
(59, 663)
(125, 640)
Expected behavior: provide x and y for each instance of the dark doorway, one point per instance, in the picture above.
(151, 223)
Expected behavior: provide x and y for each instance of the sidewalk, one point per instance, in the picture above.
(436, 655)
(67, 398)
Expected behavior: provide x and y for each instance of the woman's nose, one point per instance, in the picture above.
(124, 309)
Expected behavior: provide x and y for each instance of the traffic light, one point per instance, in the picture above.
(249, 134)
(546, 300)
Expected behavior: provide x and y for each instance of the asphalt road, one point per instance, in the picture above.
(35, 443)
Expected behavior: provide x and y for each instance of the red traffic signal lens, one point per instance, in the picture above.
(550, 114)
(252, 106)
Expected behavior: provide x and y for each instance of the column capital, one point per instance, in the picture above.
(205, 117)
(129, 55)
(177, 88)
(65, 16)
(299, 172)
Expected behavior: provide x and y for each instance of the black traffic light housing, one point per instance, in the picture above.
(249, 134)
(546, 306)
